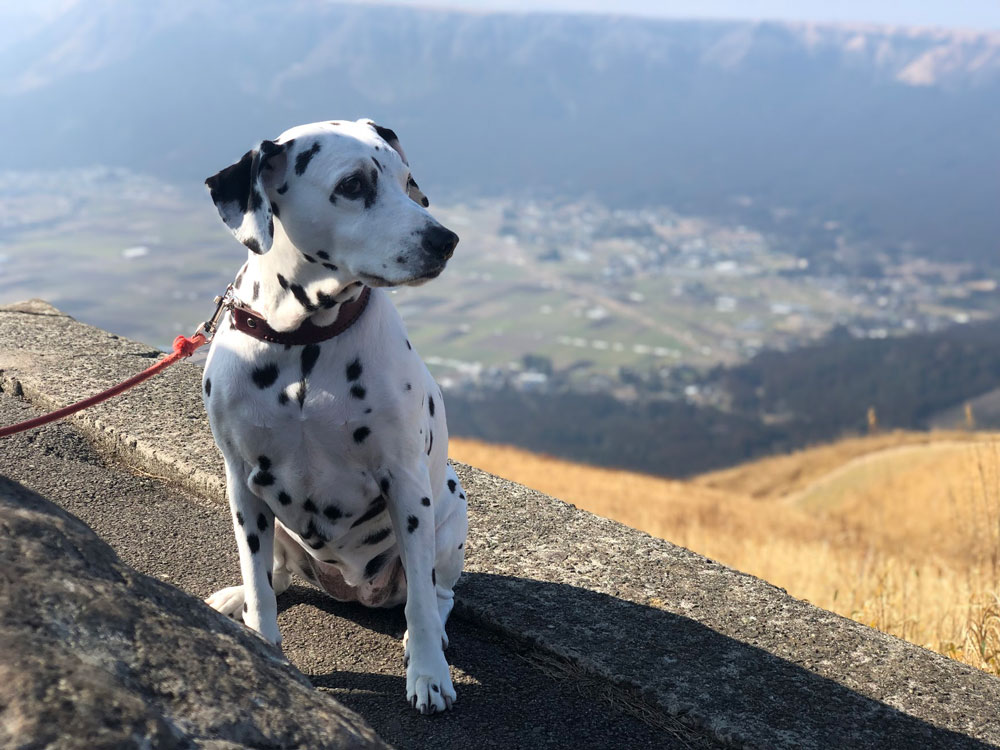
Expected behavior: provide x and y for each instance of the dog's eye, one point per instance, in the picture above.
(350, 187)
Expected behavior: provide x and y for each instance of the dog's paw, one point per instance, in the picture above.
(428, 684)
(228, 601)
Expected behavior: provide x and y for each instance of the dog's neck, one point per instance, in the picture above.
(288, 286)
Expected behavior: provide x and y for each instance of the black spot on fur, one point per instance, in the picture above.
(370, 189)
(412, 523)
(265, 462)
(324, 254)
(357, 391)
(408, 386)
(375, 565)
(283, 189)
(408, 345)
(360, 434)
(303, 159)
(354, 370)
(282, 281)
(261, 522)
(274, 210)
(376, 508)
(330, 267)
(332, 512)
(309, 356)
(430, 404)
(309, 258)
(239, 518)
(425, 501)
(376, 162)
(452, 485)
(256, 290)
(284, 499)
(282, 398)
(208, 386)
(368, 410)
(376, 536)
(264, 376)
(430, 443)
(400, 259)
(254, 541)
(270, 227)
(302, 297)
(245, 608)
(309, 506)
(325, 300)
(384, 485)
(461, 545)
(434, 576)
(435, 688)
(239, 278)
(461, 495)
(263, 478)
(252, 245)
(386, 134)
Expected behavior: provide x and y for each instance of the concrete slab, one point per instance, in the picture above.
(677, 638)
(509, 695)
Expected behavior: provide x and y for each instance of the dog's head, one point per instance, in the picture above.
(342, 192)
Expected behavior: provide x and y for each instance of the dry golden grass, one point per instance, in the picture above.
(899, 531)
(778, 476)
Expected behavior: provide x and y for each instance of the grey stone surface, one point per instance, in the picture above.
(96, 655)
(510, 694)
(672, 635)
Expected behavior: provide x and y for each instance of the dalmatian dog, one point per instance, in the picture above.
(335, 450)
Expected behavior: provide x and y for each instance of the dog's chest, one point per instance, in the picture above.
(312, 424)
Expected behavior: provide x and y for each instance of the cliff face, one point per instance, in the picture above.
(654, 638)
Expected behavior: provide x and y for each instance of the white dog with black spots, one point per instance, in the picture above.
(336, 452)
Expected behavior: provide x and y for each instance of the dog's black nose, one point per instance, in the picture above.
(439, 241)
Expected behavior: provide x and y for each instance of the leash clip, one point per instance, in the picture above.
(222, 303)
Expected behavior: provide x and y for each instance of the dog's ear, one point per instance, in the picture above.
(240, 193)
(389, 136)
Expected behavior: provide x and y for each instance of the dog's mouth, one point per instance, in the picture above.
(423, 278)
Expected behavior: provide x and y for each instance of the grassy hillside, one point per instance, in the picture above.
(899, 531)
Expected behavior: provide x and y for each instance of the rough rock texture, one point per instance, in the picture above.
(95, 655)
(666, 631)
(721, 650)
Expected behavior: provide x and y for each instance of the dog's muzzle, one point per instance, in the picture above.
(438, 242)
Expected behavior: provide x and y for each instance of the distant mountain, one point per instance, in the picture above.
(889, 135)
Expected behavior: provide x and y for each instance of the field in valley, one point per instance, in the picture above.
(900, 531)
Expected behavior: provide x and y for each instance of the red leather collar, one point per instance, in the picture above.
(247, 321)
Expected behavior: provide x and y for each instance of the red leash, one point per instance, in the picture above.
(183, 347)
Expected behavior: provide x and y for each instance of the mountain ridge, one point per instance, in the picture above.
(892, 134)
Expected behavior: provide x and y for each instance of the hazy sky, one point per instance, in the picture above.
(973, 14)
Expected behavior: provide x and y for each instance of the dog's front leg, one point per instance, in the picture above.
(253, 523)
(428, 681)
